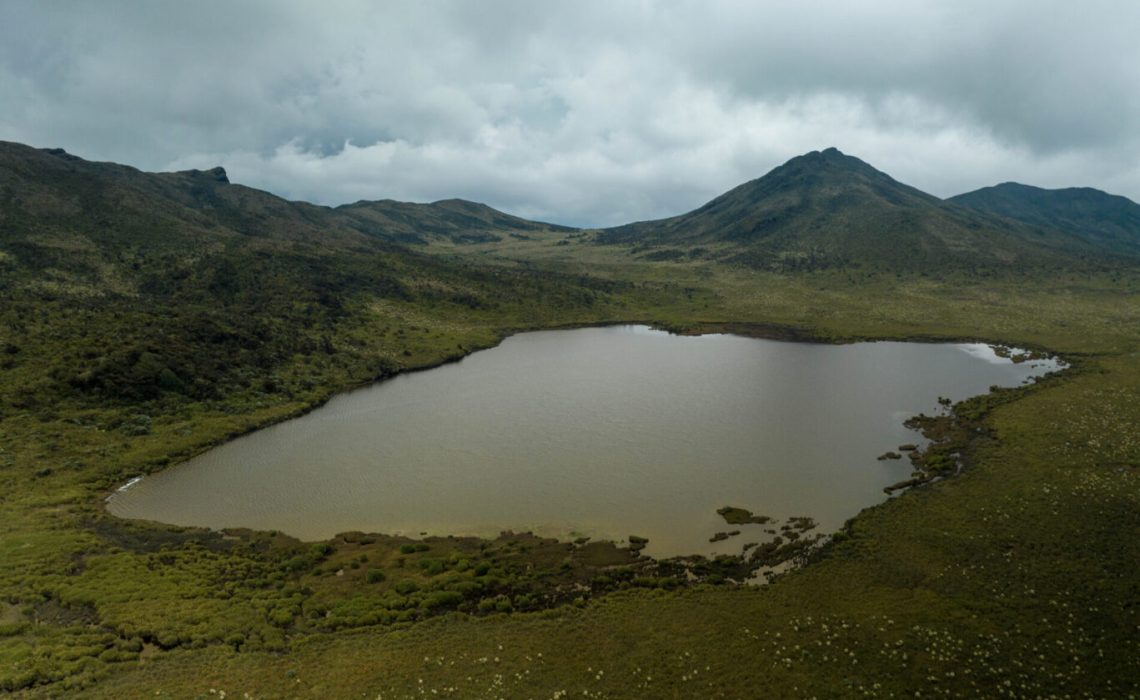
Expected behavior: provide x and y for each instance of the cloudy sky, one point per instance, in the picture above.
(587, 113)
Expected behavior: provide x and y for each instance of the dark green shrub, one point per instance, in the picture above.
(406, 587)
(442, 599)
(139, 424)
(469, 589)
(281, 617)
(433, 567)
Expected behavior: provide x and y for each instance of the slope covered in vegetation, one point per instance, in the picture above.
(826, 209)
(1109, 221)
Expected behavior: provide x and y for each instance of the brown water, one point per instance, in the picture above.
(601, 432)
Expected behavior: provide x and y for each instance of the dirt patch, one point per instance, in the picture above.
(148, 652)
(11, 614)
(54, 612)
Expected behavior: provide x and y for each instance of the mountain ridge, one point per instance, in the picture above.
(216, 277)
(1107, 220)
(253, 210)
(818, 210)
(456, 220)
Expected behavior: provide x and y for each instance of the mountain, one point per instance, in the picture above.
(49, 185)
(454, 220)
(106, 228)
(179, 283)
(828, 209)
(1108, 221)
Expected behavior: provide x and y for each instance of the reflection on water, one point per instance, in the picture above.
(601, 432)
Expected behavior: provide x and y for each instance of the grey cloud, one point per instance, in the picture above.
(585, 113)
(1050, 75)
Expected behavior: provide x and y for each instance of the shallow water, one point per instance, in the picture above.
(600, 432)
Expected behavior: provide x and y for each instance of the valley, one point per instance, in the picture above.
(148, 317)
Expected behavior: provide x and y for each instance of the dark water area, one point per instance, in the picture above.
(598, 432)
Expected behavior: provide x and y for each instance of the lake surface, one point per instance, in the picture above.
(599, 432)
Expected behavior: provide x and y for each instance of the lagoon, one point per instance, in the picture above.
(591, 432)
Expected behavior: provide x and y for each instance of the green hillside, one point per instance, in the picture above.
(830, 210)
(449, 220)
(1108, 221)
(47, 189)
(208, 284)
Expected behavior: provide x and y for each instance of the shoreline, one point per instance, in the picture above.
(776, 332)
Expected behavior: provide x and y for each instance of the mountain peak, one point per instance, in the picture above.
(217, 174)
(60, 153)
(828, 159)
(826, 175)
(460, 204)
(825, 209)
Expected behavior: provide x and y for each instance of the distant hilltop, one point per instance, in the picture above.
(827, 209)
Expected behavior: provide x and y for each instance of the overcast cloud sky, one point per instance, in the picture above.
(586, 113)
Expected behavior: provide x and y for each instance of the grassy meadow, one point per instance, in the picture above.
(1019, 577)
